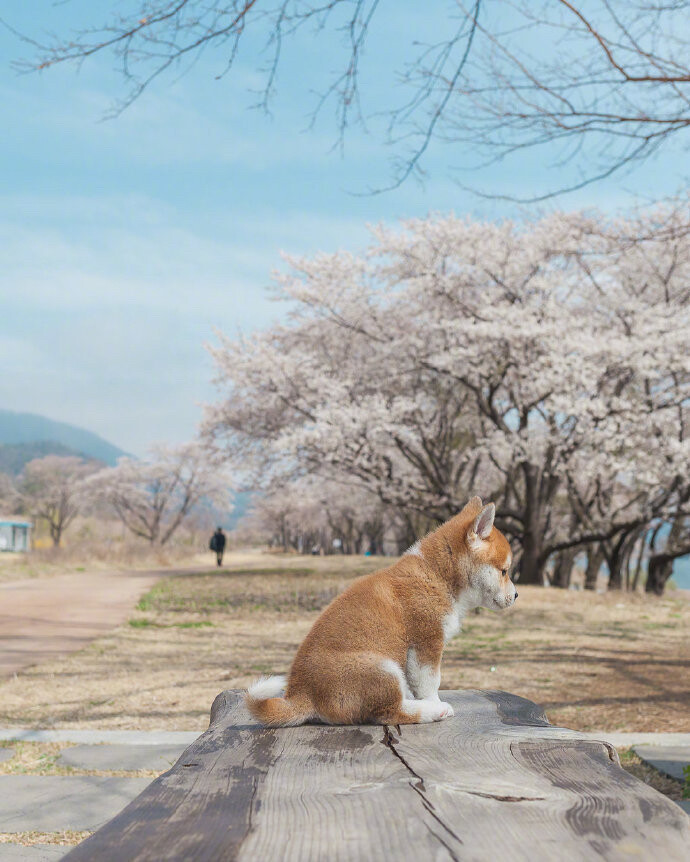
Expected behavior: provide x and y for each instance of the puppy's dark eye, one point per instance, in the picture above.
(504, 572)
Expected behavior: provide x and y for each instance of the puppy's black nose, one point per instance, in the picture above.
(516, 593)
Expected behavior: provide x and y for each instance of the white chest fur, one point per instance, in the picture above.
(452, 621)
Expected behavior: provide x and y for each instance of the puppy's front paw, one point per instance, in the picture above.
(447, 710)
(434, 710)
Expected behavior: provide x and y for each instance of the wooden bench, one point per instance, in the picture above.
(495, 782)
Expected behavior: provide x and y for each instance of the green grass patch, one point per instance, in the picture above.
(249, 573)
(145, 623)
(202, 624)
(142, 624)
(297, 573)
(156, 594)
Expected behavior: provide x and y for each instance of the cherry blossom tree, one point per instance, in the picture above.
(152, 498)
(289, 516)
(313, 512)
(52, 488)
(9, 494)
(541, 364)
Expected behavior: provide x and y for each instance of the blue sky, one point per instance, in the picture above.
(123, 243)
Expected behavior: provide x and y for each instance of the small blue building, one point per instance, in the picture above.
(15, 534)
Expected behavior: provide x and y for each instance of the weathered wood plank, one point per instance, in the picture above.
(494, 780)
(505, 785)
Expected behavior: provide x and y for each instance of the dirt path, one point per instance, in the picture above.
(44, 618)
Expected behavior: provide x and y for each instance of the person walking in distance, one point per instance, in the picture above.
(217, 544)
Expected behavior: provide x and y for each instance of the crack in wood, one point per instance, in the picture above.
(419, 788)
(254, 778)
(250, 813)
(389, 741)
(444, 844)
(505, 798)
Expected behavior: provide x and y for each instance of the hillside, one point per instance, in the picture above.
(13, 456)
(46, 436)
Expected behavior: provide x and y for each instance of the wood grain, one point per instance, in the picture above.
(494, 781)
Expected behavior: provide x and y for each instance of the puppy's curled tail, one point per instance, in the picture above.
(265, 702)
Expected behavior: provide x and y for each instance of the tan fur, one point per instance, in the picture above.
(339, 674)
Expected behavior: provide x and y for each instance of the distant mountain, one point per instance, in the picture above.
(13, 456)
(28, 428)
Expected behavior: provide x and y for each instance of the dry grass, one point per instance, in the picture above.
(104, 554)
(613, 662)
(65, 838)
(636, 766)
(42, 758)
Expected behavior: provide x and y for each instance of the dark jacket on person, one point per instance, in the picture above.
(217, 542)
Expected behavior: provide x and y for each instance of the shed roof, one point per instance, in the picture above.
(14, 521)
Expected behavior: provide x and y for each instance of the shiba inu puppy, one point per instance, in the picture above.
(374, 654)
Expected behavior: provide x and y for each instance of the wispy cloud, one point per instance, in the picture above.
(107, 303)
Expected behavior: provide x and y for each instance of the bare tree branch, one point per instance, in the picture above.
(603, 84)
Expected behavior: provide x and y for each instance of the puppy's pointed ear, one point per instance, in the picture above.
(482, 526)
(473, 507)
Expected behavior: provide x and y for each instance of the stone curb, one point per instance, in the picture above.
(627, 740)
(181, 737)
(94, 737)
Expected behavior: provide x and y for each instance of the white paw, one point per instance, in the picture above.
(430, 710)
(448, 710)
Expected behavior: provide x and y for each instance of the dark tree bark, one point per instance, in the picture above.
(537, 500)
(615, 571)
(532, 564)
(659, 571)
(660, 566)
(618, 556)
(595, 558)
(638, 565)
(563, 568)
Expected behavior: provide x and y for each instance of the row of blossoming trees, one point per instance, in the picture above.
(541, 364)
(152, 497)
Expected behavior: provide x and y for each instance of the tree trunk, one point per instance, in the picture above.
(638, 565)
(619, 558)
(659, 571)
(616, 561)
(595, 557)
(563, 568)
(53, 516)
(615, 572)
(531, 562)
